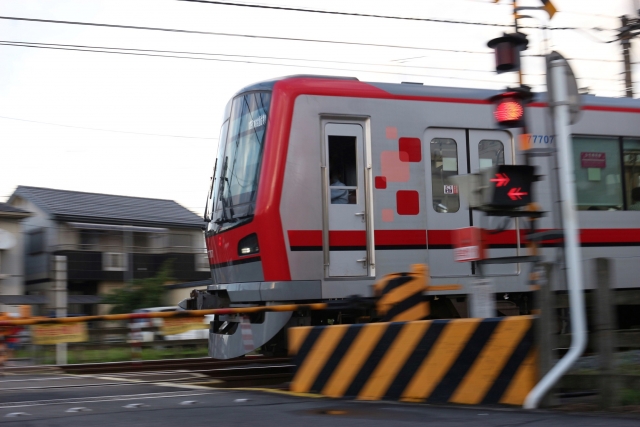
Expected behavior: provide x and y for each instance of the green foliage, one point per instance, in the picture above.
(630, 397)
(142, 293)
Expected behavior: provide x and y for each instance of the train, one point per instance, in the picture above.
(322, 185)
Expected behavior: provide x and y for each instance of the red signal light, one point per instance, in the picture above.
(509, 107)
(508, 110)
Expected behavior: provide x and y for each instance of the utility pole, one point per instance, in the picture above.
(60, 301)
(625, 36)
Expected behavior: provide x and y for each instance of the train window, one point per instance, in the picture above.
(444, 163)
(596, 163)
(343, 176)
(491, 153)
(243, 153)
(631, 158)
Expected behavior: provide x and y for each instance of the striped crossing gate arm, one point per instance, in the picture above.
(467, 361)
(401, 295)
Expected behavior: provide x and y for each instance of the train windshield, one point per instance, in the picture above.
(240, 164)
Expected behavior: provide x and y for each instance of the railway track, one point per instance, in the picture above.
(192, 364)
(241, 372)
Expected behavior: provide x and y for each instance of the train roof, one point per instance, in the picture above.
(420, 90)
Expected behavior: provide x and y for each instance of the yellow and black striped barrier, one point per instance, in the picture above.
(400, 296)
(468, 361)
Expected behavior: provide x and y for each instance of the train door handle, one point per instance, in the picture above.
(363, 261)
(362, 214)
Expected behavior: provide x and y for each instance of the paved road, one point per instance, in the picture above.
(166, 399)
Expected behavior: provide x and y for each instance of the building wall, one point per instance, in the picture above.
(12, 262)
(85, 262)
(37, 265)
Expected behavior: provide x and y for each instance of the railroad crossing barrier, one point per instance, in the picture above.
(467, 361)
(400, 296)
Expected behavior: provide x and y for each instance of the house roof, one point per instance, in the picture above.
(6, 210)
(76, 206)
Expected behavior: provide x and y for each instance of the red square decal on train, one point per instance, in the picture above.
(407, 202)
(412, 147)
(381, 182)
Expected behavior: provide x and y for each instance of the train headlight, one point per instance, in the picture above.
(248, 245)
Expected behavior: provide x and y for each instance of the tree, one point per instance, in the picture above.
(142, 293)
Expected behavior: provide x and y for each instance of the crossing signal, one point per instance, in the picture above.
(507, 186)
(509, 107)
(509, 110)
(507, 51)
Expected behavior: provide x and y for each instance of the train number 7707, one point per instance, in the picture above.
(541, 139)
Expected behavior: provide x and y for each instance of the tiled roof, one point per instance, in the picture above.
(64, 205)
(7, 208)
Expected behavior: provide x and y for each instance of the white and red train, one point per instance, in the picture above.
(323, 185)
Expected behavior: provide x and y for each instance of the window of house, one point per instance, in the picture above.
(36, 242)
(631, 159)
(596, 162)
(114, 261)
(180, 240)
(89, 239)
(140, 240)
(444, 164)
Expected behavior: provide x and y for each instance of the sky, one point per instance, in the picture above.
(141, 116)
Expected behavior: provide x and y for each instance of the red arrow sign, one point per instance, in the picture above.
(501, 179)
(516, 194)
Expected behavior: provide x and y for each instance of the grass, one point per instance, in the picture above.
(46, 355)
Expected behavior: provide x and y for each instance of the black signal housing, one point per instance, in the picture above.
(508, 186)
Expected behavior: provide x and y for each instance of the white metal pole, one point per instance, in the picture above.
(560, 100)
(60, 298)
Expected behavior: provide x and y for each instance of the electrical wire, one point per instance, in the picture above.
(264, 37)
(35, 44)
(251, 62)
(251, 36)
(132, 51)
(103, 130)
(362, 15)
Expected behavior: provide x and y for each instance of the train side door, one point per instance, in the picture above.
(489, 148)
(447, 211)
(346, 241)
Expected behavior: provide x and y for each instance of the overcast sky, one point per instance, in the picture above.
(147, 126)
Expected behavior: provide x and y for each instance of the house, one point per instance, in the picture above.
(108, 240)
(11, 257)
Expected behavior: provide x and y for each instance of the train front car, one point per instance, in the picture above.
(323, 185)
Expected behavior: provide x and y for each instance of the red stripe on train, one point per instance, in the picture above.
(299, 238)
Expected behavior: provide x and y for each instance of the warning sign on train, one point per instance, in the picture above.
(450, 189)
(55, 334)
(467, 244)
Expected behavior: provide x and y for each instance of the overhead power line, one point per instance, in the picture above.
(102, 130)
(251, 36)
(399, 67)
(244, 62)
(362, 15)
